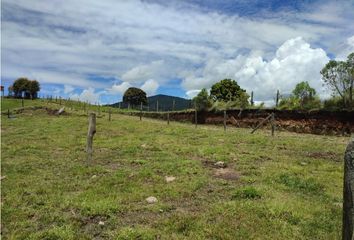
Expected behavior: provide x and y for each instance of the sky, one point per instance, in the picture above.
(94, 50)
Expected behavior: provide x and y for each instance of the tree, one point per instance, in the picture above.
(304, 93)
(135, 96)
(20, 86)
(33, 88)
(226, 90)
(339, 78)
(202, 100)
(303, 97)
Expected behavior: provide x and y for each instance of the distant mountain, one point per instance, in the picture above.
(164, 102)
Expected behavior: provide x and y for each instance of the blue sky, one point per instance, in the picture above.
(95, 50)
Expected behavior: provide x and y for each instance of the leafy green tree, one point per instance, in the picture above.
(304, 93)
(226, 90)
(202, 100)
(303, 97)
(339, 78)
(20, 86)
(135, 96)
(33, 88)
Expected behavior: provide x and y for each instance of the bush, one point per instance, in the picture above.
(333, 104)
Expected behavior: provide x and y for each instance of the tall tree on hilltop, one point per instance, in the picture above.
(134, 96)
(226, 90)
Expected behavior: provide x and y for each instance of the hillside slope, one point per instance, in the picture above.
(165, 103)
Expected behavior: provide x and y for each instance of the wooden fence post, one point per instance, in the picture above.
(277, 98)
(23, 103)
(272, 122)
(224, 120)
(252, 102)
(168, 118)
(141, 110)
(195, 115)
(109, 115)
(157, 105)
(91, 132)
(173, 105)
(8, 113)
(348, 193)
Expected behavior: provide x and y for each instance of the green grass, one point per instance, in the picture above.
(283, 191)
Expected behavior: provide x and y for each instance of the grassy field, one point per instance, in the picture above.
(285, 187)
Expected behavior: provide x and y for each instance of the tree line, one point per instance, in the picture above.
(338, 77)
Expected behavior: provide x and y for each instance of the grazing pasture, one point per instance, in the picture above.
(209, 184)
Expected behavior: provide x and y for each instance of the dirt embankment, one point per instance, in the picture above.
(316, 122)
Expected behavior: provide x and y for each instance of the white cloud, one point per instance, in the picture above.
(140, 73)
(294, 61)
(88, 95)
(192, 93)
(119, 88)
(150, 87)
(68, 88)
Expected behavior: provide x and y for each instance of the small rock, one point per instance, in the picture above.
(151, 200)
(170, 179)
(303, 163)
(161, 210)
(220, 164)
(144, 145)
(101, 223)
(2, 177)
(94, 176)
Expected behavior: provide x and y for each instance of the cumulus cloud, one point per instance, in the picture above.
(119, 88)
(294, 61)
(140, 73)
(87, 95)
(150, 87)
(192, 93)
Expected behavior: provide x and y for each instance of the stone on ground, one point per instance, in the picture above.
(170, 179)
(151, 200)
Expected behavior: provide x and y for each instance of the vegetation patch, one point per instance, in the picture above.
(248, 192)
(294, 182)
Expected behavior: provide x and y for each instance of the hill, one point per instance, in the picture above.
(283, 187)
(165, 103)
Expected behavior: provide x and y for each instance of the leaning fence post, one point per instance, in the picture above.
(91, 132)
(348, 193)
(224, 120)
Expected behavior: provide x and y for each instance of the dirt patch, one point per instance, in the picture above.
(226, 173)
(325, 155)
